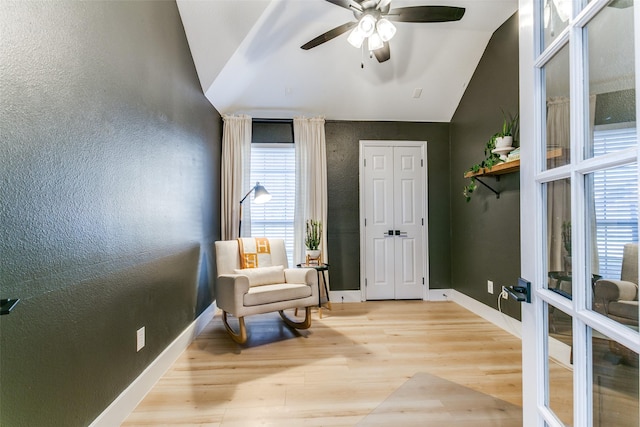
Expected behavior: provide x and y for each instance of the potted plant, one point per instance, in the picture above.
(566, 243)
(312, 239)
(501, 142)
(490, 159)
(506, 136)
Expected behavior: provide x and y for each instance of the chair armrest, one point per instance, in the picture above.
(230, 289)
(615, 290)
(301, 275)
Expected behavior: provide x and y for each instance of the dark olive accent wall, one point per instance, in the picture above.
(109, 200)
(485, 243)
(343, 222)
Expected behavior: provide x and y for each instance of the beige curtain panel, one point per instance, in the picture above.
(236, 165)
(311, 181)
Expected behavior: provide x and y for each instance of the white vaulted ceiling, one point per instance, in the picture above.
(248, 58)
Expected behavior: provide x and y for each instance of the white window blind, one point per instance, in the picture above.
(616, 201)
(273, 165)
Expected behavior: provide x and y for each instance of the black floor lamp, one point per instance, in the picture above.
(261, 196)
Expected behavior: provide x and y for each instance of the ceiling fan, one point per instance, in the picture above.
(373, 23)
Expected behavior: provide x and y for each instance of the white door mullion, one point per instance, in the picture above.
(582, 372)
(624, 335)
(636, 25)
(532, 112)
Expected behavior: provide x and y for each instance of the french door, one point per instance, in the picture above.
(579, 66)
(392, 204)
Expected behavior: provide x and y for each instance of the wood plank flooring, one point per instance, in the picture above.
(333, 374)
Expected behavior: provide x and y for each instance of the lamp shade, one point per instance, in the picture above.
(375, 42)
(261, 194)
(386, 29)
(367, 24)
(356, 38)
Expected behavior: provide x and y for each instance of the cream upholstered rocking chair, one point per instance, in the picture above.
(254, 278)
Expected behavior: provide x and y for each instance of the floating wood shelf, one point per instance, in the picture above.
(509, 167)
(504, 168)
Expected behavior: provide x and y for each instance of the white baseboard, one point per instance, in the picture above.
(438, 295)
(345, 296)
(558, 350)
(127, 401)
(508, 323)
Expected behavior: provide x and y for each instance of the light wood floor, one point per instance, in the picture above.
(333, 374)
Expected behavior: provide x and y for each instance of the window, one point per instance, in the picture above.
(616, 200)
(273, 165)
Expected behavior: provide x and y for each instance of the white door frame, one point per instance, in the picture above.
(534, 324)
(532, 373)
(425, 232)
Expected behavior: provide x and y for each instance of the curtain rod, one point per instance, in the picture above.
(272, 120)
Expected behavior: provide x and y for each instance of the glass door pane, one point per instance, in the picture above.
(556, 14)
(612, 230)
(615, 383)
(560, 371)
(559, 265)
(558, 104)
(611, 65)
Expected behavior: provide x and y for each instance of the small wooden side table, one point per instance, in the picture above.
(321, 270)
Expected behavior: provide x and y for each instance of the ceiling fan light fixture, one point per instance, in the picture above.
(375, 41)
(385, 29)
(356, 38)
(367, 25)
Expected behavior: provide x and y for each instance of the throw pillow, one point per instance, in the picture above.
(263, 275)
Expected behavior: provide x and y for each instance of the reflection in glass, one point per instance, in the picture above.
(559, 237)
(612, 218)
(615, 383)
(557, 120)
(560, 375)
(556, 18)
(611, 72)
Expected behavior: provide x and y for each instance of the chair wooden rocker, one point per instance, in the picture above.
(267, 285)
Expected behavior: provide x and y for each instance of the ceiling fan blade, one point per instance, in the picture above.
(383, 6)
(384, 53)
(426, 14)
(329, 35)
(347, 4)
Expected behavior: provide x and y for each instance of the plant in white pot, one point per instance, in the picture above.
(509, 130)
(495, 151)
(312, 240)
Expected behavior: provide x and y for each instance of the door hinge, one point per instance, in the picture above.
(365, 283)
(421, 163)
(423, 222)
(365, 163)
(365, 222)
(423, 280)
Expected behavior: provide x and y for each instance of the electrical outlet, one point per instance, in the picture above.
(504, 294)
(140, 339)
(490, 286)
